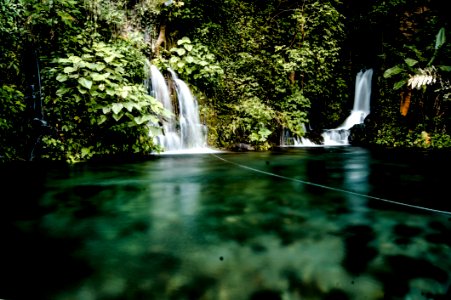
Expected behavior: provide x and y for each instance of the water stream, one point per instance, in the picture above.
(183, 133)
(340, 135)
(291, 224)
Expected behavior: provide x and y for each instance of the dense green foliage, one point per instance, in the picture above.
(276, 57)
(105, 82)
(414, 84)
(93, 96)
(259, 69)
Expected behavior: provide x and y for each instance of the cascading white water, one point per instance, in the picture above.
(183, 132)
(361, 109)
(169, 139)
(191, 130)
(362, 95)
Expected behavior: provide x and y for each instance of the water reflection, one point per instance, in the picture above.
(245, 227)
(356, 178)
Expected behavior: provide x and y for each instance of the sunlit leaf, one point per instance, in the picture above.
(61, 77)
(102, 119)
(117, 117)
(146, 118)
(440, 38)
(75, 59)
(117, 107)
(129, 106)
(68, 70)
(188, 47)
(109, 59)
(393, 71)
(399, 84)
(411, 62)
(173, 60)
(180, 51)
(183, 40)
(444, 68)
(85, 82)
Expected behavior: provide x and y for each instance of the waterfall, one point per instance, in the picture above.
(191, 130)
(361, 109)
(184, 131)
(169, 138)
(362, 95)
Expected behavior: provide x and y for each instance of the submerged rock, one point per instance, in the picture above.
(242, 147)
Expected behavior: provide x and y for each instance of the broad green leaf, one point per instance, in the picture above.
(109, 59)
(188, 47)
(75, 59)
(154, 131)
(85, 151)
(173, 60)
(101, 119)
(98, 77)
(61, 77)
(94, 93)
(91, 66)
(411, 62)
(117, 117)
(77, 98)
(124, 93)
(81, 64)
(110, 92)
(183, 40)
(63, 60)
(393, 71)
(62, 91)
(129, 106)
(180, 64)
(120, 70)
(85, 83)
(81, 90)
(146, 118)
(180, 51)
(106, 109)
(399, 84)
(444, 68)
(117, 107)
(189, 59)
(68, 70)
(440, 38)
(100, 67)
(87, 56)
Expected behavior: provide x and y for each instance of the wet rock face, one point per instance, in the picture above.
(240, 147)
(358, 135)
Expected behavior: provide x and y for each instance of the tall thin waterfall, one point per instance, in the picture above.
(169, 139)
(362, 97)
(361, 109)
(191, 130)
(182, 132)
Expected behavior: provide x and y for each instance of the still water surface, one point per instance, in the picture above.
(312, 223)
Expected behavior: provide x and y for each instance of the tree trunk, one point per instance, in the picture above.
(292, 77)
(161, 40)
(405, 102)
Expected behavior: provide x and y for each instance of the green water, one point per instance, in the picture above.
(315, 223)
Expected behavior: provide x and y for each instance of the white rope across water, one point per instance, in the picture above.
(332, 188)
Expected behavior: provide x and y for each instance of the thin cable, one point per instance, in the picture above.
(332, 188)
